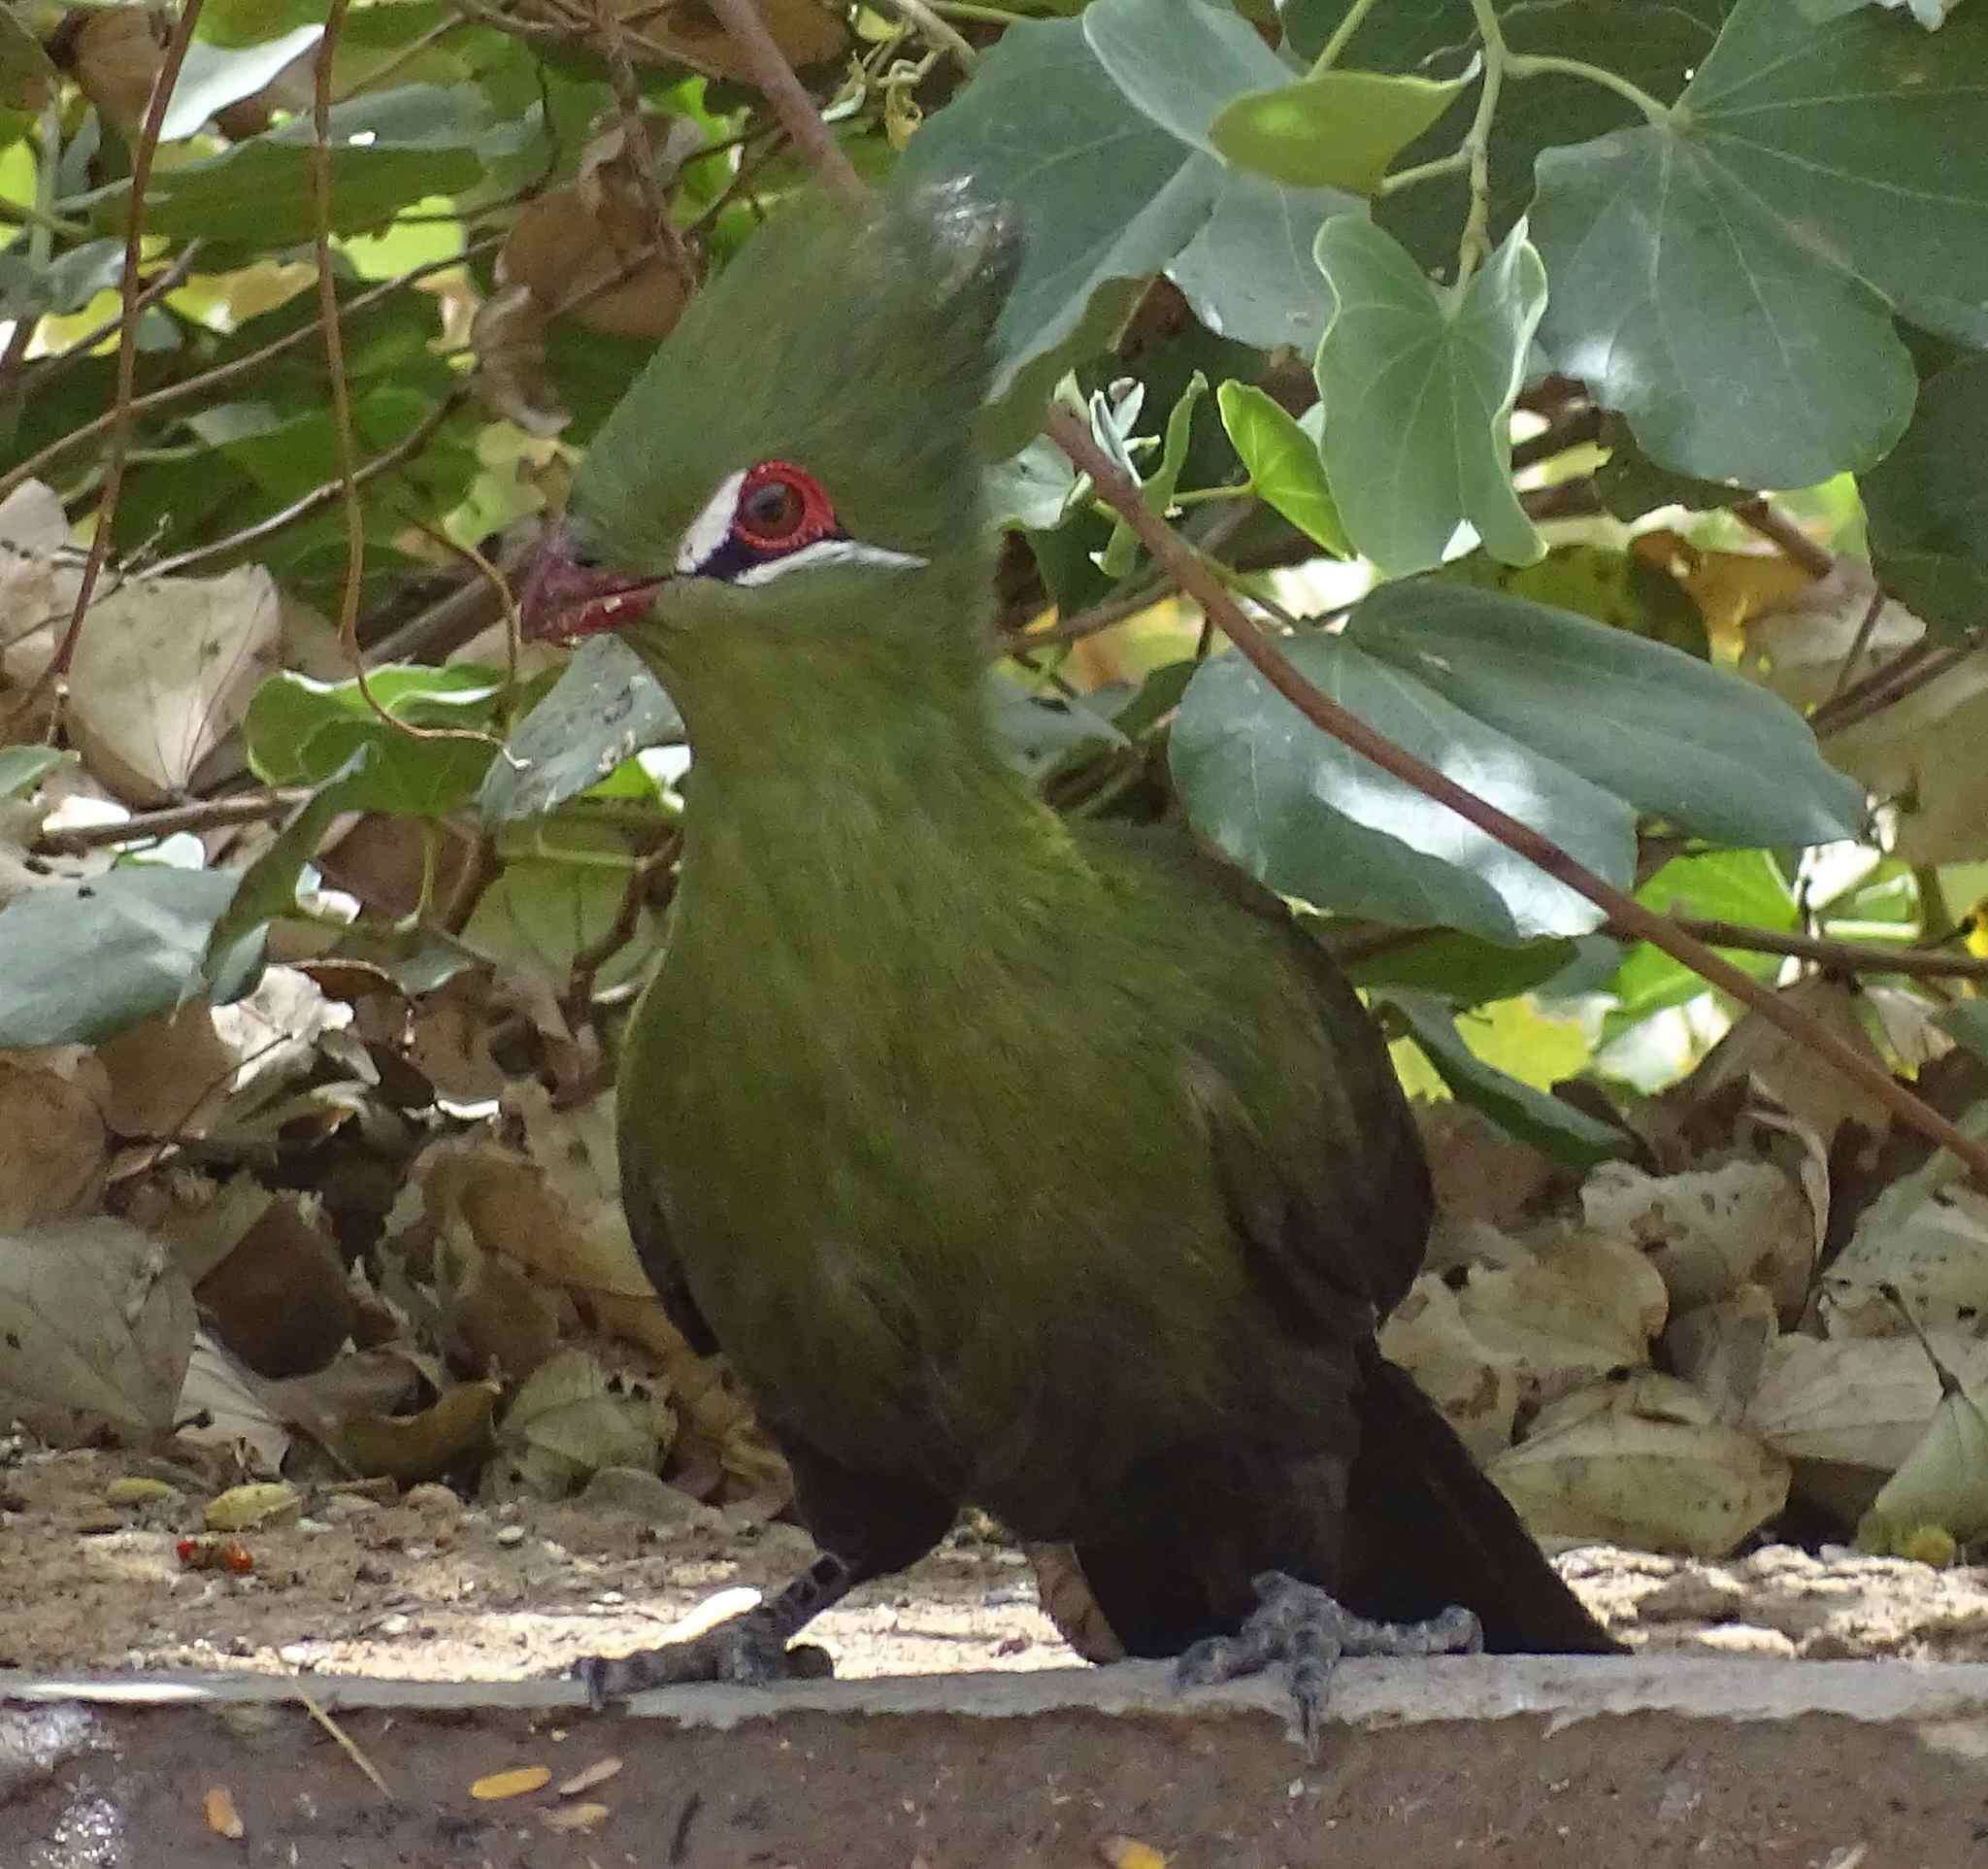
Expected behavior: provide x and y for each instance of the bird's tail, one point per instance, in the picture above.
(1425, 1529)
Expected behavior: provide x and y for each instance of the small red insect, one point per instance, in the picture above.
(228, 1555)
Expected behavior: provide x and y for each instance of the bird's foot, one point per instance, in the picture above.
(748, 1651)
(1306, 1628)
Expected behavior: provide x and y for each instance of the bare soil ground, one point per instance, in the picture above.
(429, 1587)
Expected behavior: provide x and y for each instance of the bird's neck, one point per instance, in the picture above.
(871, 805)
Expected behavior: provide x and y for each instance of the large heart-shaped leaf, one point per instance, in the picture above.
(1418, 383)
(1316, 820)
(1726, 276)
(1106, 195)
(87, 960)
(1678, 739)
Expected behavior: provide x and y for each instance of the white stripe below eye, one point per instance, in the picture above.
(828, 552)
(709, 530)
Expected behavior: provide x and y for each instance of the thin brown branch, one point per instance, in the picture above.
(1583, 424)
(131, 287)
(1866, 624)
(47, 369)
(208, 814)
(319, 497)
(1194, 576)
(223, 374)
(1760, 514)
(790, 101)
(1200, 582)
(1903, 676)
(1842, 956)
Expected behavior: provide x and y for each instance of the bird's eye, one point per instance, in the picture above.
(781, 508)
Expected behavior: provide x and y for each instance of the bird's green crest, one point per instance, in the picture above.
(857, 345)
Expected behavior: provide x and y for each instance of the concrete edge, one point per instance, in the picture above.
(1560, 1689)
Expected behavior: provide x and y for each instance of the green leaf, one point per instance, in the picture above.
(1108, 197)
(1459, 969)
(1681, 740)
(1316, 820)
(1727, 278)
(24, 768)
(268, 886)
(63, 285)
(1160, 487)
(214, 77)
(1181, 62)
(1728, 885)
(1032, 489)
(1249, 273)
(301, 732)
(1530, 1116)
(604, 707)
(1653, 43)
(1337, 129)
(1044, 733)
(88, 961)
(388, 150)
(1283, 463)
(1967, 1023)
(26, 71)
(1418, 384)
(1927, 502)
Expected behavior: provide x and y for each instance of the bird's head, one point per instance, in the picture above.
(796, 466)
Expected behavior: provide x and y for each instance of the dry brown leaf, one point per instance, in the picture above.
(54, 1146)
(507, 335)
(1798, 645)
(168, 1075)
(218, 1407)
(413, 1448)
(1476, 1392)
(1641, 1463)
(518, 1782)
(1859, 1401)
(1710, 1230)
(807, 31)
(280, 1299)
(222, 1817)
(98, 1324)
(567, 1422)
(1583, 1306)
(115, 55)
(588, 1775)
(1936, 1254)
(581, 255)
(1128, 1852)
(164, 670)
(1721, 1348)
(254, 1506)
(1784, 1067)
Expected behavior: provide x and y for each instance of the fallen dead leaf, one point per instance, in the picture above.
(222, 1817)
(518, 1781)
(588, 1775)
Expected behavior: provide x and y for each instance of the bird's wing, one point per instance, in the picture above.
(648, 1225)
(1334, 1205)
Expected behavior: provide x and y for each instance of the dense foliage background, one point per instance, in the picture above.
(1587, 394)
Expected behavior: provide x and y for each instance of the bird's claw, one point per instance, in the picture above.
(1307, 1630)
(746, 1652)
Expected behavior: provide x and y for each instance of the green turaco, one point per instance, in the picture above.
(1011, 1162)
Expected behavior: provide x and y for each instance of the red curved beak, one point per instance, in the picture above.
(564, 599)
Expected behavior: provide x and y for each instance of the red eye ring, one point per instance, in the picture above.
(781, 508)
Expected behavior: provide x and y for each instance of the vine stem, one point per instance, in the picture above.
(131, 289)
(1350, 23)
(1198, 579)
